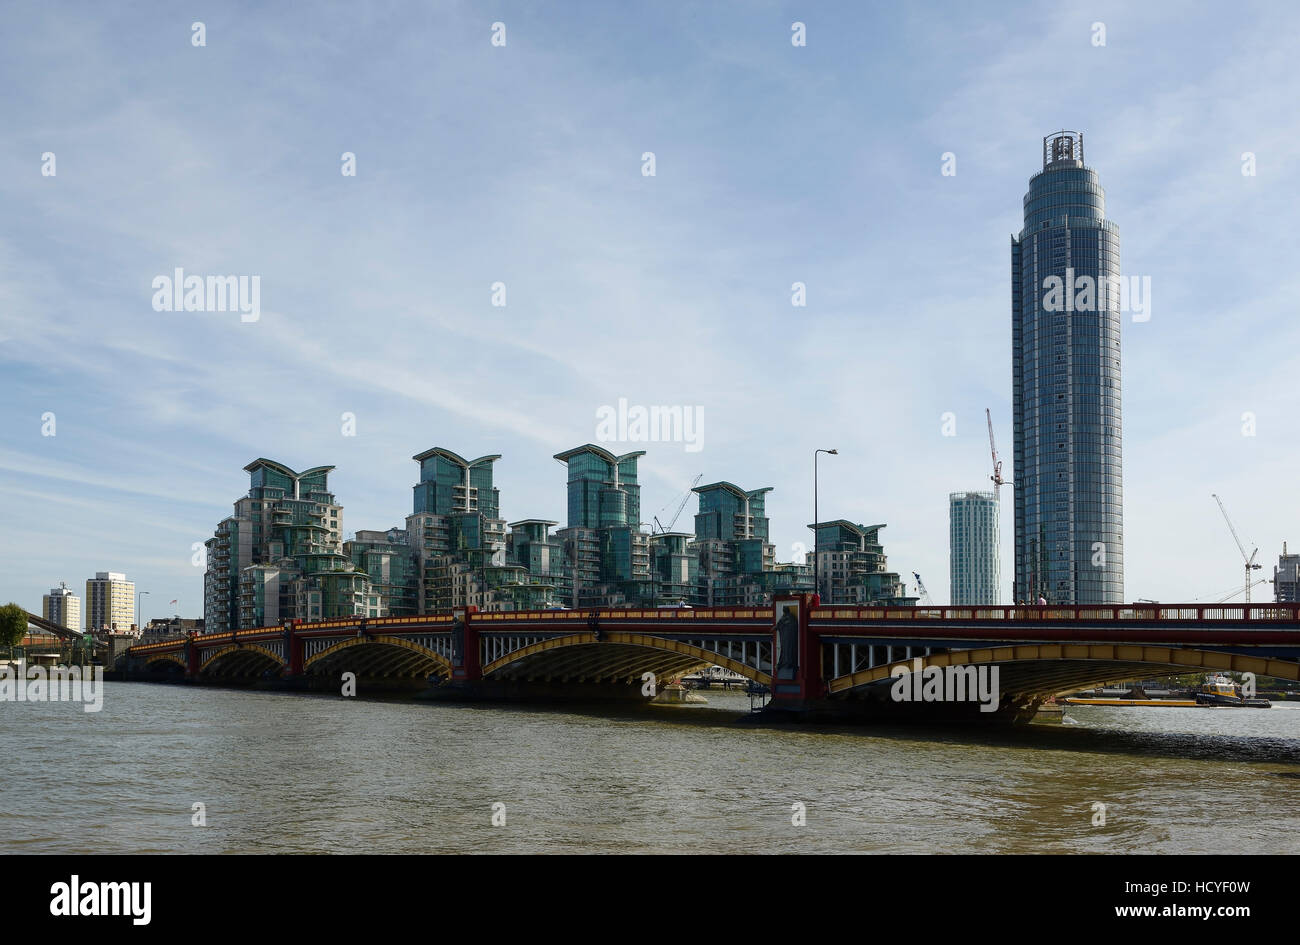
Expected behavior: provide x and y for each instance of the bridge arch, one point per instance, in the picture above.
(247, 659)
(161, 661)
(616, 657)
(1053, 669)
(380, 656)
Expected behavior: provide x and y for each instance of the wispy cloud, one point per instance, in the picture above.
(522, 165)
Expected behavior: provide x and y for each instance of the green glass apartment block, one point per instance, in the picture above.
(581, 550)
(753, 555)
(227, 553)
(675, 566)
(625, 554)
(386, 558)
(455, 533)
(606, 555)
(851, 561)
(532, 547)
(263, 562)
(729, 513)
(450, 483)
(731, 541)
(603, 489)
(341, 592)
(786, 578)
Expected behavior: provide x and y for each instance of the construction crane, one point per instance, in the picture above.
(660, 528)
(920, 589)
(998, 481)
(1228, 595)
(1254, 583)
(1248, 559)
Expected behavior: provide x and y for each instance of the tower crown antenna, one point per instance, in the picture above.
(1063, 146)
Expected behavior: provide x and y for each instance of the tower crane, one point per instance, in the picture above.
(1248, 559)
(1235, 593)
(997, 463)
(680, 505)
(920, 589)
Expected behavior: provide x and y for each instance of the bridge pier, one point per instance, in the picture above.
(466, 668)
(796, 656)
(294, 652)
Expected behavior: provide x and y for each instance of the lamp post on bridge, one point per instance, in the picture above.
(137, 609)
(817, 588)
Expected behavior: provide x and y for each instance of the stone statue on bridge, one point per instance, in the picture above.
(458, 641)
(787, 642)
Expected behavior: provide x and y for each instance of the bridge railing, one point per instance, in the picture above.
(676, 614)
(1208, 613)
(685, 616)
(561, 619)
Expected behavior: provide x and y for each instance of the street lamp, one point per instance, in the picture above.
(137, 609)
(817, 587)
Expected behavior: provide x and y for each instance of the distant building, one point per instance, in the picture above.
(1286, 578)
(974, 542)
(110, 602)
(63, 607)
(852, 566)
(280, 556)
(170, 628)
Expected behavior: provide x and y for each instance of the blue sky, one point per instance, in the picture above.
(522, 164)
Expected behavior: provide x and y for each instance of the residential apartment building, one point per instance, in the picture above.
(110, 602)
(975, 573)
(63, 607)
(852, 566)
(280, 555)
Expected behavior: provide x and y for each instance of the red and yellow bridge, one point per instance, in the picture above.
(835, 660)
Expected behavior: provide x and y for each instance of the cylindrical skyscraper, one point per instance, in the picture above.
(1065, 324)
(975, 574)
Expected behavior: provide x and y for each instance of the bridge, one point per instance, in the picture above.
(49, 642)
(817, 661)
(51, 629)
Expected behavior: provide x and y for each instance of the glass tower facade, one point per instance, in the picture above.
(975, 573)
(1065, 303)
(606, 555)
(731, 539)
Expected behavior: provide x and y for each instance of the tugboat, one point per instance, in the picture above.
(1222, 691)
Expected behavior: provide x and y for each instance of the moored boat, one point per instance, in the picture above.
(1221, 691)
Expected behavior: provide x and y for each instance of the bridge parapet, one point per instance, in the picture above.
(1207, 613)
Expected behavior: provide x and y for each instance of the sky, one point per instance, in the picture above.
(524, 164)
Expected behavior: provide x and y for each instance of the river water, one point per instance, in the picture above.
(287, 772)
